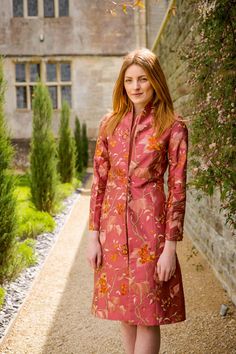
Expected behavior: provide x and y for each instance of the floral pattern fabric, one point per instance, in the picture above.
(129, 208)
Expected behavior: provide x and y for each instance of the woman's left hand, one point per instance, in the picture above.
(166, 264)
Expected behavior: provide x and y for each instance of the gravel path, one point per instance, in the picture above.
(55, 317)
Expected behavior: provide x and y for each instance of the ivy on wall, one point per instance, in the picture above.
(211, 62)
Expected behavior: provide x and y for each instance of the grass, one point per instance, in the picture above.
(64, 190)
(24, 257)
(31, 221)
(2, 296)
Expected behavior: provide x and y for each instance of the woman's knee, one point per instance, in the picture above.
(148, 329)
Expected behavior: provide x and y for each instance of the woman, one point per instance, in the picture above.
(133, 227)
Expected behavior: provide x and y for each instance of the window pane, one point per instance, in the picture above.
(51, 72)
(20, 72)
(66, 94)
(53, 93)
(34, 72)
(65, 72)
(63, 7)
(49, 10)
(32, 7)
(21, 98)
(18, 8)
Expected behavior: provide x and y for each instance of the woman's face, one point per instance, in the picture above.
(137, 86)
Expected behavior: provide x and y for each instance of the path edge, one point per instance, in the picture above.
(15, 316)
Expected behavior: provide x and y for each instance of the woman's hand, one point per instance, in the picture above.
(166, 264)
(94, 251)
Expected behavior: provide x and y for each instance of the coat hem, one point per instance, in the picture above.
(133, 322)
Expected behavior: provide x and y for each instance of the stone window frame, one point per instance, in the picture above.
(27, 83)
(42, 62)
(41, 10)
(58, 83)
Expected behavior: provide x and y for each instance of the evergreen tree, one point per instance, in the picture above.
(66, 147)
(43, 152)
(85, 145)
(78, 144)
(8, 218)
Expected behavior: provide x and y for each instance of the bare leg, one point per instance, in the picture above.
(129, 336)
(148, 340)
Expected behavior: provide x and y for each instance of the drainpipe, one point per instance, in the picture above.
(164, 23)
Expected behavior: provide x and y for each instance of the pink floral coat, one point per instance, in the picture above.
(129, 208)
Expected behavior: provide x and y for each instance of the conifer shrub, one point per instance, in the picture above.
(66, 147)
(8, 216)
(85, 154)
(78, 144)
(43, 158)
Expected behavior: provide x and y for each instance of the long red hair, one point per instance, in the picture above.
(162, 103)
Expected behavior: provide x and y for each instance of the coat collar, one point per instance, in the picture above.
(141, 121)
(146, 110)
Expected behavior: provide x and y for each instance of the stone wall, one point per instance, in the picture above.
(89, 29)
(90, 38)
(204, 223)
(155, 12)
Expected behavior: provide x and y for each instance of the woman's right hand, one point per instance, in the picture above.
(94, 251)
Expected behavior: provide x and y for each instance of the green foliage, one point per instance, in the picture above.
(32, 222)
(78, 144)
(66, 147)
(43, 152)
(64, 190)
(24, 257)
(2, 297)
(23, 180)
(211, 58)
(80, 177)
(8, 219)
(85, 154)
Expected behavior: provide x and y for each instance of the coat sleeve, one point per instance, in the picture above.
(176, 199)
(101, 166)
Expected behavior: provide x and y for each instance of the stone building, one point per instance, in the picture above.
(75, 47)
